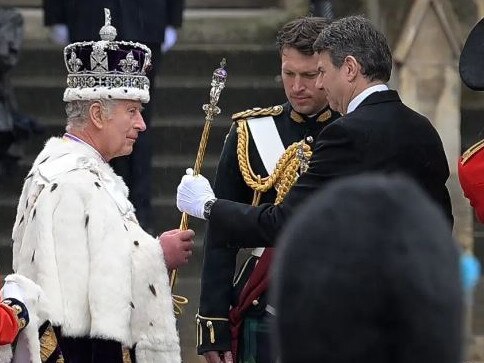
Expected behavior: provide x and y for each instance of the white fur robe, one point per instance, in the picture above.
(76, 236)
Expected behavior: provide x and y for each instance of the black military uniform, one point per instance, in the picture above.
(240, 156)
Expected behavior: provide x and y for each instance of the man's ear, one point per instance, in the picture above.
(353, 67)
(96, 114)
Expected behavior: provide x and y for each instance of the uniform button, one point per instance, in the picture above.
(22, 323)
(309, 139)
(255, 302)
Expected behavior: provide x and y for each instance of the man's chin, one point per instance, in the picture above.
(305, 110)
(128, 149)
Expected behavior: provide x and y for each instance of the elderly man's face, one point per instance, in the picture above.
(122, 128)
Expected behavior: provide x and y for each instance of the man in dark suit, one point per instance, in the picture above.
(377, 133)
(151, 22)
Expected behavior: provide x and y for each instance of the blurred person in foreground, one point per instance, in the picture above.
(233, 319)
(376, 133)
(374, 278)
(76, 234)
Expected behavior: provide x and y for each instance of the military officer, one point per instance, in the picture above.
(471, 164)
(258, 165)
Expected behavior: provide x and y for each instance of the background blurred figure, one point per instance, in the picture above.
(323, 8)
(471, 164)
(374, 277)
(151, 22)
(14, 127)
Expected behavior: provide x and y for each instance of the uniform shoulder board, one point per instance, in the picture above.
(474, 149)
(258, 112)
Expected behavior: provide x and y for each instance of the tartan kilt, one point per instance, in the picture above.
(255, 345)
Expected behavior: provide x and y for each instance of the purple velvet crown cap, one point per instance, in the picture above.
(107, 69)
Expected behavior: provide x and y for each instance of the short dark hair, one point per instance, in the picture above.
(356, 36)
(367, 271)
(301, 34)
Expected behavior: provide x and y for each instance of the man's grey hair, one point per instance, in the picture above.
(78, 112)
(356, 36)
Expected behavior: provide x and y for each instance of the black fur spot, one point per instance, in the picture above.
(54, 187)
(43, 161)
(136, 243)
(152, 289)
(151, 323)
(21, 220)
(131, 304)
(33, 215)
(26, 204)
(87, 221)
(126, 228)
(29, 176)
(33, 257)
(97, 184)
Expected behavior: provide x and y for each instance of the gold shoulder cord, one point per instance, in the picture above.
(471, 151)
(284, 175)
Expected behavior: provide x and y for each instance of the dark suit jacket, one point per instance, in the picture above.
(136, 20)
(382, 135)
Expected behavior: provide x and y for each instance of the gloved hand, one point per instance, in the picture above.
(59, 34)
(170, 39)
(192, 194)
(177, 247)
(12, 290)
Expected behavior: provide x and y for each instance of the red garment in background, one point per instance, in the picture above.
(471, 177)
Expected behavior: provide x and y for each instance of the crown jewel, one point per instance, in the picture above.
(107, 68)
(107, 32)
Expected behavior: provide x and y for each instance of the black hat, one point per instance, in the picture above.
(471, 61)
(368, 272)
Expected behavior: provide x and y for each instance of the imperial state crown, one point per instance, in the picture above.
(107, 69)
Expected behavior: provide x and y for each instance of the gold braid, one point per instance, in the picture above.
(284, 175)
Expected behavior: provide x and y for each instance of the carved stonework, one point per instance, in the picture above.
(426, 57)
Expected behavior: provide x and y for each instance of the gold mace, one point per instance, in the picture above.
(211, 110)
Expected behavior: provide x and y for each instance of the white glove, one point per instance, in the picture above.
(12, 290)
(59, 34)
(170, 39)
(192, 194)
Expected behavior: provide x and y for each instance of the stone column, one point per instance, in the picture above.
(427, 57)
(295, 7)
(480, 8)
